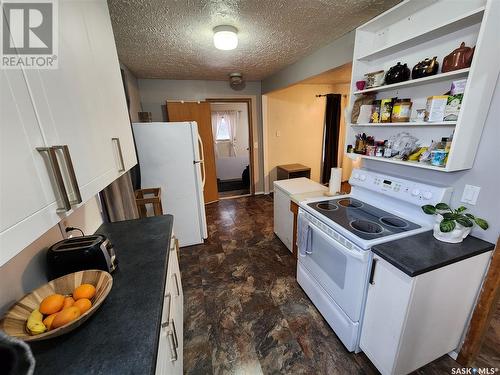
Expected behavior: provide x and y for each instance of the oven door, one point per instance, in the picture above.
(338, 266)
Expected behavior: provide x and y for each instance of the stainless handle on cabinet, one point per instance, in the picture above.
(168, 311)
(71, 172)
(173, 349)
(120, 154)
(176, 341)
(59, 181)
(176, 284)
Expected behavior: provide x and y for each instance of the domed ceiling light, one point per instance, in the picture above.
(225, 37)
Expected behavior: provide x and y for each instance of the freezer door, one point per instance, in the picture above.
(167, 159)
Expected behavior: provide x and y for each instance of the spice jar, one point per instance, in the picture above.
(388, 149)
(401, 110)
(371, 150)
(380, 149)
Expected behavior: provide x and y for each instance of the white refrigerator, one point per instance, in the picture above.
(171, 158)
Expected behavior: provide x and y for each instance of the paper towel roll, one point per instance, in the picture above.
(335, 181)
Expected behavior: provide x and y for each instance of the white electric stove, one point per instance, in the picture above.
(335, 235)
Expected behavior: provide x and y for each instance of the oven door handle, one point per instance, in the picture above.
(343, 249)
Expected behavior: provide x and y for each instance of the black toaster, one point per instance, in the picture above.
(81, 253)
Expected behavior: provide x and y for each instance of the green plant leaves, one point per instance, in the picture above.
(449, 218)
(462, 220)
(483, 224)
(429, 209)
(446, 226)
(443, 207)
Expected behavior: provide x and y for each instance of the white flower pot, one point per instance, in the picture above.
(457, 235)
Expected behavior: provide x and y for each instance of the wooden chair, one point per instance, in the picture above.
(148, 196)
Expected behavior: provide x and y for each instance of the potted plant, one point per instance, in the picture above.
(452, 225)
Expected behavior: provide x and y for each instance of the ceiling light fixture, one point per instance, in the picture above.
(225, 37)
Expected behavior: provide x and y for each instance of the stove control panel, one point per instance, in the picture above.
(410, 191)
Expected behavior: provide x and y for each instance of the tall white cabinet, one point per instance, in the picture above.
(65, 133)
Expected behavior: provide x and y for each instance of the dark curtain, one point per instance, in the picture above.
(331, 135)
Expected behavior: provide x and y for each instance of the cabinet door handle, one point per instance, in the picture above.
(173, 348)
(176, 341)
(174, 276)
(58, 179)
(372, 272)
(71, 173)
(120, 154)
(168, 297)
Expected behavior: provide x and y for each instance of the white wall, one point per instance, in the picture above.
(133, 93)
(229, 168)
(27, 270)
(155, 92)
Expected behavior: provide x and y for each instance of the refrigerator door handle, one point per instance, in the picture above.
(202, 161)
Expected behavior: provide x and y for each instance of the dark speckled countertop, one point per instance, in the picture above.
(122, 336)
(422, 253)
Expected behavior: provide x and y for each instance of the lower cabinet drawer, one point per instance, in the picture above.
(170, 344)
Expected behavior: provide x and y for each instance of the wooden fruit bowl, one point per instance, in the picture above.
(14, 321)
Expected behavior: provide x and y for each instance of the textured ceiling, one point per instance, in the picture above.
(173, 38)
(336, 76)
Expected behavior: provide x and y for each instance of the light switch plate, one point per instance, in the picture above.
(470, 194)
(278, 133)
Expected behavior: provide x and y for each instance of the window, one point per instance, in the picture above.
(223, 132)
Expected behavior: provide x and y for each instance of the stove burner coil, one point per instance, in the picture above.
(392, 221)
(351, 203)
(366, 226)
(327, 206)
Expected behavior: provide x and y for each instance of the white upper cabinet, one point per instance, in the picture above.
(67, 101)
(66, 132)
(410, 32)
(25, 185)
(110, 90)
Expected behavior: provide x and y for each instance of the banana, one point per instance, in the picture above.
(417, 154)
(35, 324)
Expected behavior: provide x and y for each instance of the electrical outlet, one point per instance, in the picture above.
(278, 133)
(470, 194)
(63, 224)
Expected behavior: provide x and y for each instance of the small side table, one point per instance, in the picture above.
(287, 171)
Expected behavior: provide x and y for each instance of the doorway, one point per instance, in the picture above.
(231, 130)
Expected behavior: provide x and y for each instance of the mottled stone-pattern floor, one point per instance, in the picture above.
(244, 312)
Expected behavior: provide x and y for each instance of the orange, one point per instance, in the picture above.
(65, 316)
(83, 304)
(51, 304)
(68, 302)
(48, 321)
(84, 291)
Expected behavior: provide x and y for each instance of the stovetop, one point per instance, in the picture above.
(362, 219)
